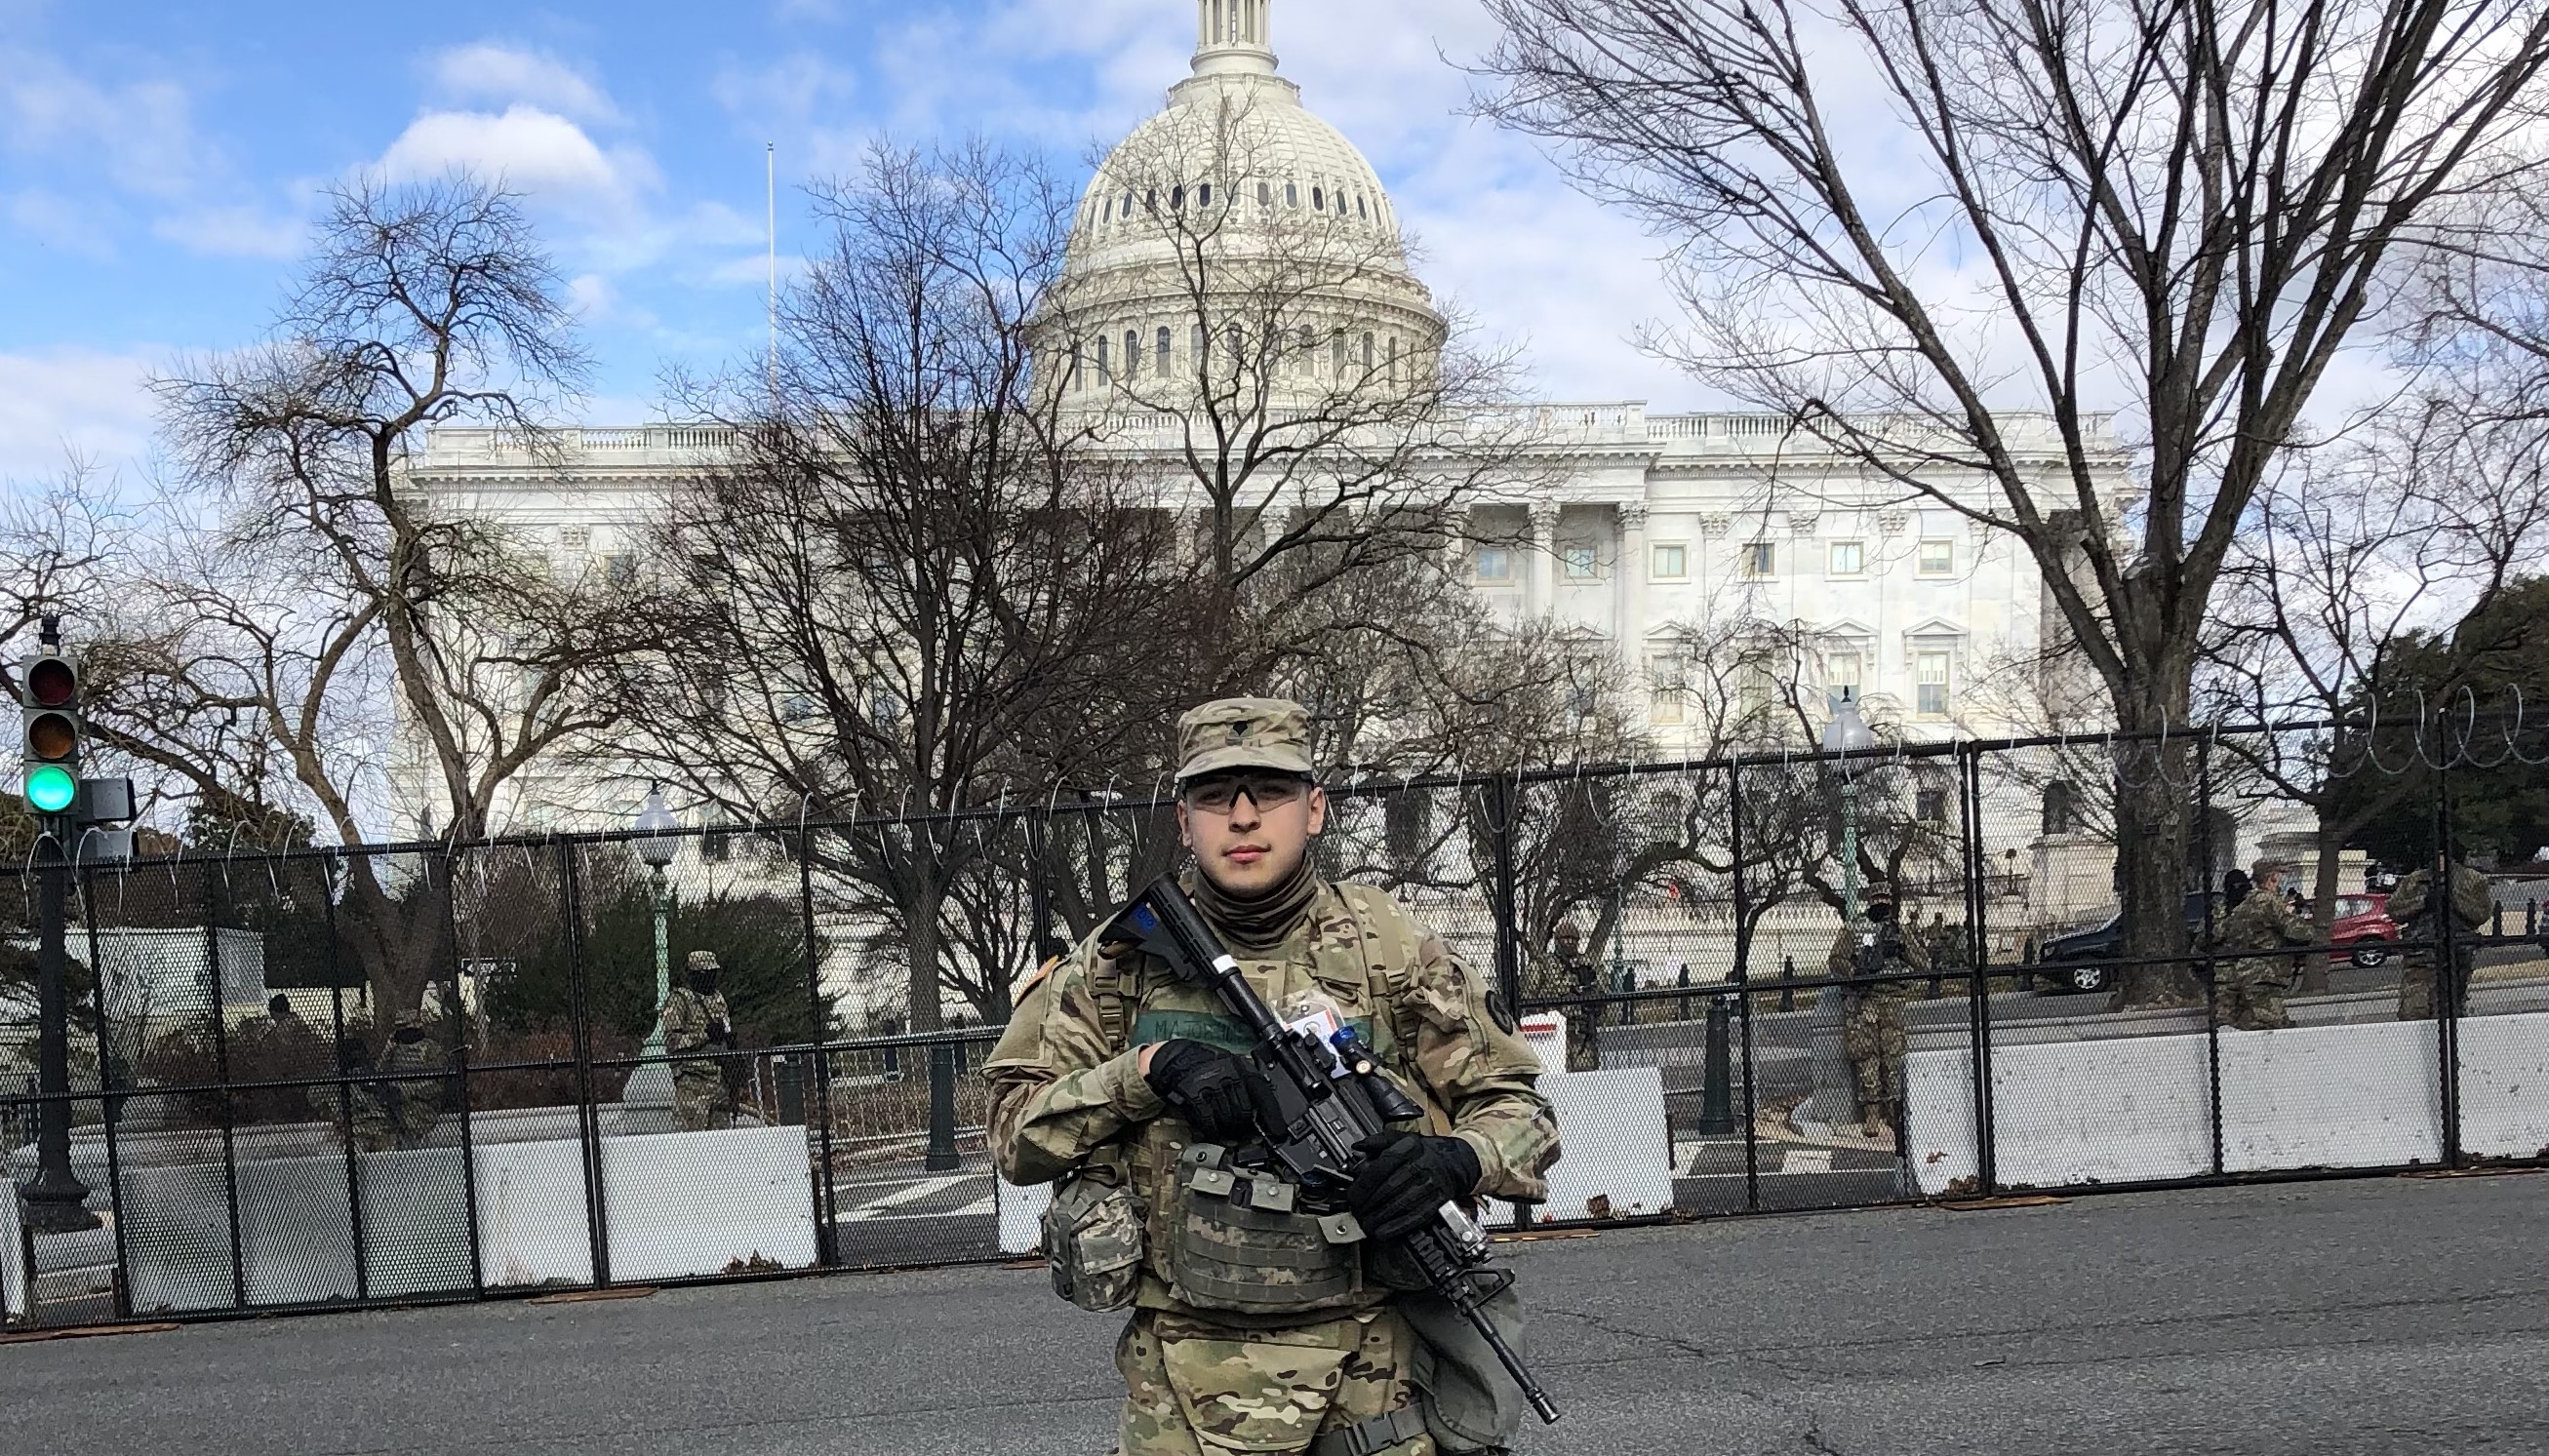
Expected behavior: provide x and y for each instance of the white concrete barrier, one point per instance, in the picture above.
(682, 1205)
(14, 1292)
(1617, 1147)
(2504, 1086)
(531, 1221)
(2139, 1108)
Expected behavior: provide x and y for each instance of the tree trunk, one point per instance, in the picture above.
(920, 914)
(401, 943)
(2153, 836)
(2332, 844)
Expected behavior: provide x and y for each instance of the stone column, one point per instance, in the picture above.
(1543, 551)
(1629, 599)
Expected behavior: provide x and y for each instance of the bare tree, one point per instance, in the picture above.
(914, 590)
(2184, 211)
(315, 631)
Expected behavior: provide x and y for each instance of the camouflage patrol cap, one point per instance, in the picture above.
(703, 960)
(1244, 733)
(2258, 872)
(409, 1021)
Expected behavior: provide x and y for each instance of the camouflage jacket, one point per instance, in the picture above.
(1067, 1091)
(687, 1015)
(1843, 962)
(2263, 922)
(415, 1105)
(2472, 905)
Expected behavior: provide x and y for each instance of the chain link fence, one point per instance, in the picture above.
(328, 1079)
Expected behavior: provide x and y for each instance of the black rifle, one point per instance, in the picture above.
(1317, 1116)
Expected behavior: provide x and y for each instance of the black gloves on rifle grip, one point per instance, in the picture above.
(1408, 1179)
(1216, 1092)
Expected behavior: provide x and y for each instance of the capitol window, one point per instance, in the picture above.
(1583, 563)
(1291, 194)
(1266, 194)
(1318, 200)
(1163, 370)
(1358, 208)
(1495, 564)
(1132, 355)
(1668, 688)
(1337, 353)
(1930, 677)
(1203, 195)
(1103, 375)
(1367, 353)
(1938, 558)
(1847, 557)
(1843, 674)
(1670, 563)
(1761, 560)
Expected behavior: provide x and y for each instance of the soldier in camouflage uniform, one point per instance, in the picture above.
(1871, 1024)
(1125, 1067)
(2418, 912)
(357, 1110)
(2248, 990)
(695, 1020)
(413, 1104)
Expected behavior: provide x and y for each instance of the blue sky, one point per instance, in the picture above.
(158, 164)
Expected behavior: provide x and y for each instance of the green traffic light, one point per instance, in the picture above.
(51, 789)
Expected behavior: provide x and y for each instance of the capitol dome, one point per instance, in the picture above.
(1237, 212)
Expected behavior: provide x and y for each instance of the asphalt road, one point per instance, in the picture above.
(2405, 1315)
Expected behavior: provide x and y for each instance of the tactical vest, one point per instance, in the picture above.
(1359, 953)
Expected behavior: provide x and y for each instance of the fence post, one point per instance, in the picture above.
(1502, 901)
(210, 901)
(345, 1087)
(2446, 957)
(109, 1107)
(2207, 973)
(460, 1041)
(1744, 981)
(826, 1196)
(580, 1027)
(941, 1155)
(1969, 790)
(1717, 1096)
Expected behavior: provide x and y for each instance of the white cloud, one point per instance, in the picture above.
(139, 134)
(234, 232)
(59, 221)
(487, 72)
(61, 405)
(796, 91)
(535, 151)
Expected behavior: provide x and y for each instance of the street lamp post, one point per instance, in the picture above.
(648, 1099)
(1836, 1098)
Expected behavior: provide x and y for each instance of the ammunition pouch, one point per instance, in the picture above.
(1239, 1242)
(1471, 1405)
(1093, 1242)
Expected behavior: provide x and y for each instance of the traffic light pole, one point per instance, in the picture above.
(57, 1202)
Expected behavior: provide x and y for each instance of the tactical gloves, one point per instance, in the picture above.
(1407, 1179)
(1215, 1091)
(718, 1032)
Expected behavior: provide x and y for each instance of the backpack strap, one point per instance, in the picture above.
(1384, 932)
(1115, 984)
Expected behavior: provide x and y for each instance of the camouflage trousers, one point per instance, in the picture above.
(1871, 1032)
(2416, 991)
(2248, 995)
(1198, 1388)
(699, 1096)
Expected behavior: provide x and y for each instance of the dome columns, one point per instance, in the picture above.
(1233, 38)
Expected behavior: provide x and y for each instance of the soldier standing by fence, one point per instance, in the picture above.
(696, 1021)
(2418, 911)
(414, 1102)
(1871, 1028)
(2248, 991)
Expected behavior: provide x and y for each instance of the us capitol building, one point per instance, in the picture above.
(1636, 531)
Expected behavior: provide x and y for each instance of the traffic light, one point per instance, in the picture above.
(50, 743)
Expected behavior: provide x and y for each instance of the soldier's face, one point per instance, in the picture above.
(1247, 849)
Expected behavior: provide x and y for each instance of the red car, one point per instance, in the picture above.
(2364, 928)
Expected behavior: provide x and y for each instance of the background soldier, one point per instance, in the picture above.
(356, 1112)
(1871, 1025)
(695, 1021)
(413, 1104)
(1583, 981)
(2248, 992)
(2419, 912)
(1267, 1338)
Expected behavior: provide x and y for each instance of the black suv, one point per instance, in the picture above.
(2056, 974)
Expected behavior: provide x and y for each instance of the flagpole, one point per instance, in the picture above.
(772, 154)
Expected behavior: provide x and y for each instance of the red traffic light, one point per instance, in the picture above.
(51, 682)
